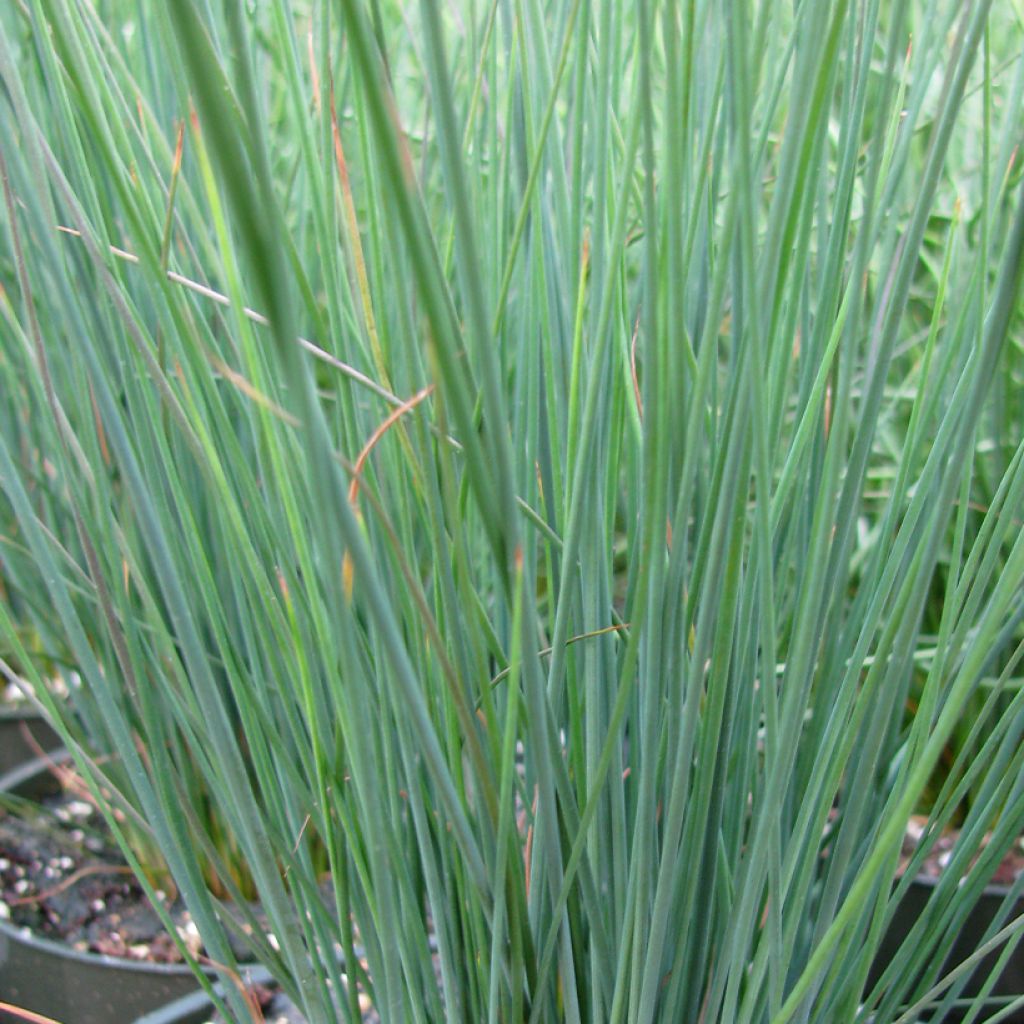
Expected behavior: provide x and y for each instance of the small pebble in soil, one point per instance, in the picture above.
(80, 809)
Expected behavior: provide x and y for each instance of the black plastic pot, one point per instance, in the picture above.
(23, 733)
(59, 982)
(81, 988)
(1010, 982)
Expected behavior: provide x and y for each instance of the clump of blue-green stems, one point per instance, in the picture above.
(518, 463)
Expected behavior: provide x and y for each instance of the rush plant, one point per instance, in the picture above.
(508, 464)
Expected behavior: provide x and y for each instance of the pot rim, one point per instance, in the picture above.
(26, 937)
(992, 890)
(18, 710)
(199, 1002)
(12, 781)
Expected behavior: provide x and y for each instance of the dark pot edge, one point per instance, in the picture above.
(19, 711)
(17, 778)
(26, 937)
(990, 891)
(22, 713)
(24, 734)
(196, 1006)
